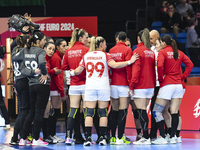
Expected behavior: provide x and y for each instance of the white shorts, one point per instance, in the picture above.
(119, 91)
(143, 93)
(94, 95)
(77, 90)
(54, 93)
(183, 92)
(171, 91)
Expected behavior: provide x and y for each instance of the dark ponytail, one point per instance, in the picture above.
(169, 41)
(19, 41)
(33, 39)
(145, 38)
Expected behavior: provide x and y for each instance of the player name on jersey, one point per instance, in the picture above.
(30, 55)
(94, 58)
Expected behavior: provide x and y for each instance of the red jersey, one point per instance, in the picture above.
(57, 83)
(169, 68)
(72, 59)
(121, 76)
(50, 70)
(143, 70)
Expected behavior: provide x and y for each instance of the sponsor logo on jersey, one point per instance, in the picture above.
(30, 55)
(149, 53)
(74, 53)
(197, 109)
(117, 56)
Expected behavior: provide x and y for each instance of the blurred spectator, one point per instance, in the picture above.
(194, 3)
(185, 20)
(197, 28)
(183, 7)
(193, 42)
(162, 12)
(128, 42)
(171, 22)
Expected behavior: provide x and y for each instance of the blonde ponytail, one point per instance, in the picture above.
(146, 38)
(92, 44)
(95, 43)
(74, 35)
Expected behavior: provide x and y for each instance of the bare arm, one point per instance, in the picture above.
(77, 71)
(114, 64)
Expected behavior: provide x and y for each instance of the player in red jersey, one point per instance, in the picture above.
(96, 63)
(71, 60)
(143, 81)
(171, 89)
(120, 80)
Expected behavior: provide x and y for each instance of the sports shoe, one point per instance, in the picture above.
(143, 141)
(178, 139)
(30, 138)
(79, 140)
(102, 141)
(119, 141)
(13, 142)
(138, 137)
(24, 142)
(69, 141)
(50, 140)
(167, 137)
(112, 141)
(7, 127)
(159, 140)
(39, 142)
(126, 140)
(172, 140)
(88, 141)
(58, 139)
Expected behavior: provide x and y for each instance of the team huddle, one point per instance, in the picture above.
(102, 85)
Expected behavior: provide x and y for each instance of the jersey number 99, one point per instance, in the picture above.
(99, 67)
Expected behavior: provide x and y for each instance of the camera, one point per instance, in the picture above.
(2, 51)
(18, 22)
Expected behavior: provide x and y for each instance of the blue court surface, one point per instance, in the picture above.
(190, 141)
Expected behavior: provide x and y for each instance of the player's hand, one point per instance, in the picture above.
(134, 57)
(57, 71)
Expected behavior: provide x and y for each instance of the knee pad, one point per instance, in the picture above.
(72, 113)
(89, 112)
(136, 114)
(157, 112)
(103, 112)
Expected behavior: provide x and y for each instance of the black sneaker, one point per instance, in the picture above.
(50, 140)
(79, 140)
(88, 141)
(13, 142)
(102, 141)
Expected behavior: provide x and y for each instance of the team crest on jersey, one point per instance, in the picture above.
(197, 109)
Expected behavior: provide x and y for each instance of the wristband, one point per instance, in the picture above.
(128, 62)
(72, 73)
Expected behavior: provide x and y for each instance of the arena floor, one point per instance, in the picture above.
(190, 141)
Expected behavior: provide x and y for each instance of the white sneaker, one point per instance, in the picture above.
(143, 141)
(119, 142)
(39, 142)
(160, 140)
(23, 142)
(139, 136)
(102, 141)
(172, 140)
(60, 140)
(69, 141)
(167, 137)
(178, 139)
(7, 127)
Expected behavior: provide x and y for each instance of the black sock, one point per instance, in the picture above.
(96, 122)
(82, 121)
(102, 131)
(77, 131)
(113, 121)
(160, 125)
(70, 126)
(66, 118)
(138, 131)
(52, 121)
(178, 133)
(88, 131)
(169, 131)
(121, 122)
(45, 127)
(175, 120)
(144, 121)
